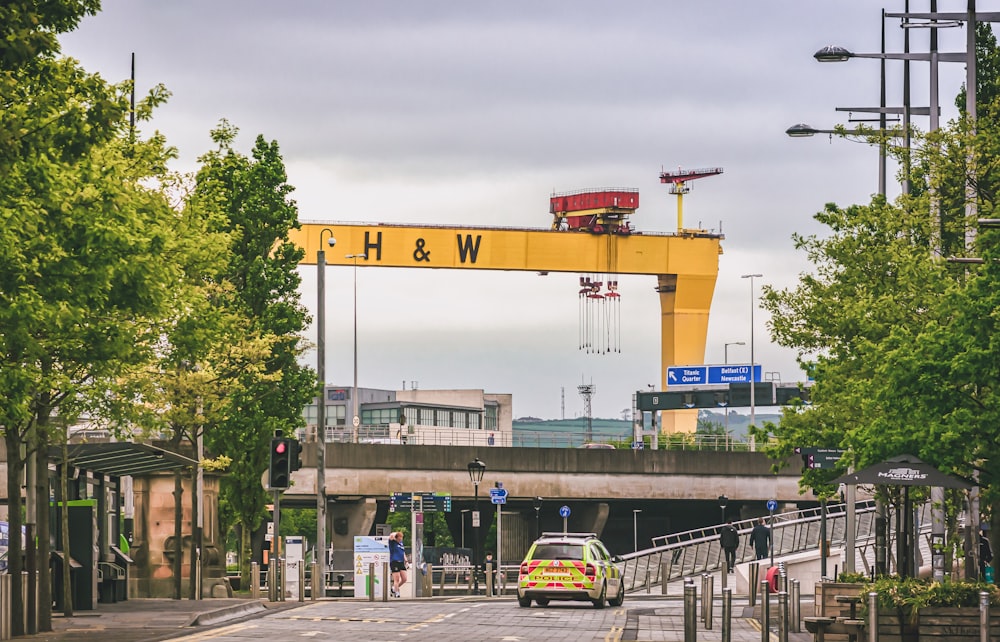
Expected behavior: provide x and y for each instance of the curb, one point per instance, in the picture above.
(211, 618)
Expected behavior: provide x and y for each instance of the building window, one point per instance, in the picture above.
(442, 418)
(459, 419)
(412, 416)
(336, 415)
(490, 418)
(474, 423)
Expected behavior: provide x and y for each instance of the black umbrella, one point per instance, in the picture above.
(904, 470)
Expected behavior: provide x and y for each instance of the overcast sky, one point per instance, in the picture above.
(473, 113)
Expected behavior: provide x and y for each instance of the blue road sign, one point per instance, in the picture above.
(498, 495)
(739, 373)
(686, 375)
(772, 505)
(564, 511)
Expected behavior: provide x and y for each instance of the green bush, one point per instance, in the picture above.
(908, 595)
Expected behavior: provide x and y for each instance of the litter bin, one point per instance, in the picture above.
(773, 576)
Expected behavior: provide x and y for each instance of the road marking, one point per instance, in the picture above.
(216, 633)
(615, 634)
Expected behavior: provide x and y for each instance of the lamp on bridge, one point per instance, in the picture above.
(538, 509)
(723, 502)
(476, 471)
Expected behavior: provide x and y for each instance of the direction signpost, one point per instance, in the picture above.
(422, 502)
(820, 458)
(701, 375)
(772, 505)
(564, 513)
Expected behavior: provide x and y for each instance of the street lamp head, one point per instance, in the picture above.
(833, 53)
(751, 276)
(801, 130)
(723, 501)
(476, 471)
(538, 503)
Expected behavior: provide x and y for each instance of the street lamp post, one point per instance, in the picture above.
(538, 509)
(723, 501)
(635, 528)
(476, 471)
(753, 368)
(356, 420)
(725, 352)
(320, 558)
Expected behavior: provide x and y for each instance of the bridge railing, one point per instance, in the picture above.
(443, 436)
(679, 555)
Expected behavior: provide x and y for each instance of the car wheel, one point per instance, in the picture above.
(542, 601)
(599, 602)
(620, 597)
(524, 601)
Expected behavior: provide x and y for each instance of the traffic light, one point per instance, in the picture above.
(279, 470)
(784, 395)
(763, 392)
(295, 455)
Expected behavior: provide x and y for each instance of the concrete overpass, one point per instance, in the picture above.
(675, 490)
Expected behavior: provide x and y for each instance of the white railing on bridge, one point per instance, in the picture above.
(441, 436)
(679, 555)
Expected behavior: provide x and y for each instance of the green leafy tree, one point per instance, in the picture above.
(84, 267)
(253, 196)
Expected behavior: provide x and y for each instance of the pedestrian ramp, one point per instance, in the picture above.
(678, 555)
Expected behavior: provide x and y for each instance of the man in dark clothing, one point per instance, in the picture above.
(760, 539)
(985, 550)
(730, 541)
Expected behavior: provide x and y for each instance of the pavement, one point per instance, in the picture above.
(140, 620)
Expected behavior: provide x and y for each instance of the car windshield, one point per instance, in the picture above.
(558, 552)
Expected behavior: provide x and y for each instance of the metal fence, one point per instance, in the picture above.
(442, 436)
(679, 555)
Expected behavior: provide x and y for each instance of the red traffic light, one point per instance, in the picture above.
(280, 447)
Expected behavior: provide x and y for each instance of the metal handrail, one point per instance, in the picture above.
(689, 553)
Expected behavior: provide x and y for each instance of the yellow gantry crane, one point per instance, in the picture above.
(685, 264)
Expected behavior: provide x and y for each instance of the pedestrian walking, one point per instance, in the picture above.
(397, 561)
(760, 539)
(729, 538)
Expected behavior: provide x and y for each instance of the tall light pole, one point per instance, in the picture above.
(635, 528)
(753, 367)
(723, 501)
(538, 509)
(321, 412)
(476, 471)
(356, 420)
(725, 352)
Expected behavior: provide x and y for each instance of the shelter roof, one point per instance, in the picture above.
(121, 458)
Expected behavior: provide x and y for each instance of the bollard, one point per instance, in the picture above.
(386, 579)
(371, 581)
(727, 614)
(708, 597)
(704, 591)
(984, 616)
(783, 616)
(441, 589)
(254, 581)
(754, 573)
(649, 588)
(795, 607)
(313, 581)
(302, 581)
(765, 612)
(873, 617)
(5, 606)
(664, 576)
(272, 573)
(283, 569)
(690, 612)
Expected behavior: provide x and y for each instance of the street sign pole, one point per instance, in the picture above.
(772, 505)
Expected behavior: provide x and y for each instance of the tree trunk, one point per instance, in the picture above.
(193, 583)
(67, 586)
(245, 555)
(42, 515)
(178, 544)
(15, 560)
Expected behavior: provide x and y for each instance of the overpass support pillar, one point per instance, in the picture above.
(593, 518)
(350, 519)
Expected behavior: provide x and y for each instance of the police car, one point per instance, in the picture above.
(569, 566)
